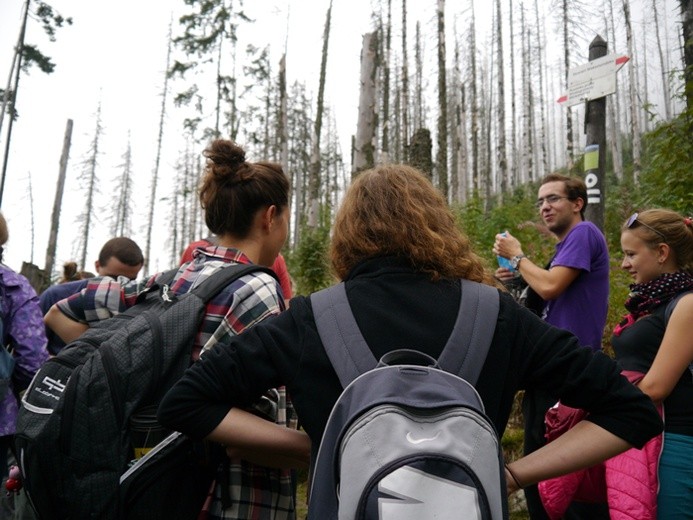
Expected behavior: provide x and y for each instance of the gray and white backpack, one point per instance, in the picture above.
(408, 438)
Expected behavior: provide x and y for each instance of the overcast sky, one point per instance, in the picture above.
(115, 53)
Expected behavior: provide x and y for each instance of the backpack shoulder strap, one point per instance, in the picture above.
(466, 349)
(216, 282)
(166, 278)
(670, 306)
(464, 354)
(340, 335)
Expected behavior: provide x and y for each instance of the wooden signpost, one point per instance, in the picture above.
(591, 83)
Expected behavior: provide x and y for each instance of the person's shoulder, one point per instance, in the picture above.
(683, 303)
(63, 290)
(14, 281)
(586, 231)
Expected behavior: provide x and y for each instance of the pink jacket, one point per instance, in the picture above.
(627, 482)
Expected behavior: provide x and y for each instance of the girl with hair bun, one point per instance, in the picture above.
(246, 205)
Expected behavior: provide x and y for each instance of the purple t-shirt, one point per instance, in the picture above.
(582, 307)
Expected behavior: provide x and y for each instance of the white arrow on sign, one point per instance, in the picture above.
(592, 80)
(419, 496)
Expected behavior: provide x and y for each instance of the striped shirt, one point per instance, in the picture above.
(246, 490)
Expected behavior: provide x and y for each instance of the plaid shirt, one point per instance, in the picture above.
(254, 492)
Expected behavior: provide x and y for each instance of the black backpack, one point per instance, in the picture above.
(74, 429)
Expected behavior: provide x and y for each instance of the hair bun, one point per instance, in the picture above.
(235, 154)
(226, 161)
(224, 152)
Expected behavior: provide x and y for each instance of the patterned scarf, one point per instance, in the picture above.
(646, 296)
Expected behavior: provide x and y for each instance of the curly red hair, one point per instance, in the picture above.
(395, 210)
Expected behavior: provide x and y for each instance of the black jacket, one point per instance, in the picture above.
(396, 307)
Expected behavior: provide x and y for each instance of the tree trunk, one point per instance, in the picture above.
(57, 203)
(541, 64)
(314, 181)
(645, 108)
(91, 183)
(614, 106)
(634, 103)
(16, 64)
(487, 125)
(502, 157)
(13, 101)
(662, 64)
(385, 144)
(442, 156)
(364, 149)
(420, 152)
(687, 32)
(462, 159)
(513, 110)
(570, 147)
(121, 215)
(157, 160)
(405, 85)
(418, 105)
(527, 116)
(476, 179)
(283, 130)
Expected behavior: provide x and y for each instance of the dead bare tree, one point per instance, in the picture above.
(364, 149)
(632, 89)
(613, 103)
(662, 64)
(385, 119)
(314, 181)
(154, 183)
(474, 102)
(442, 155)
(121, 225)
(687, 34)
(405, 85)
(89, 181)
(58, 201)
(513, 109)
(541, 96)
(418, 89)
(502, 170)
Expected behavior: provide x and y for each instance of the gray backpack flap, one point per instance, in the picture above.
(74, 436)
(408, 437)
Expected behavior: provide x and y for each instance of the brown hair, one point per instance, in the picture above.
(233, 189)
(124, 249)
(395, 210)
(4, 232)
(69, 272)
(675, 229)
(574, 187)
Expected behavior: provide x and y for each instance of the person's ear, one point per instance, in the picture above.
(580, 203)
(663, 252)
(97, 266)
(268, 216)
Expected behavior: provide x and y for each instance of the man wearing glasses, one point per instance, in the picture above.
(574, 288)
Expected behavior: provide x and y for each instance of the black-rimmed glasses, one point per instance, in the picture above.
(634, 218)
(550, 200)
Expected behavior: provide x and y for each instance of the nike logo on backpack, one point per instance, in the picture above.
(412, 440)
